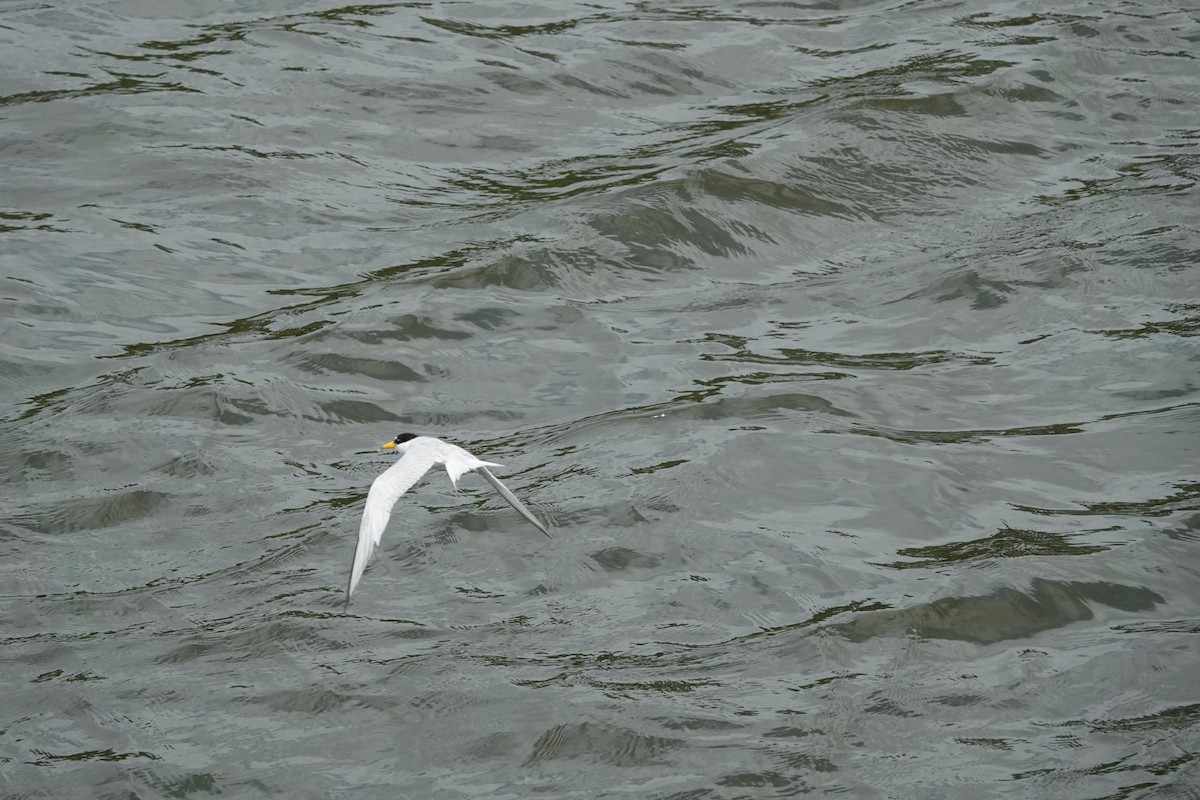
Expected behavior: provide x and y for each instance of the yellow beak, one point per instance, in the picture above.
(388, 446)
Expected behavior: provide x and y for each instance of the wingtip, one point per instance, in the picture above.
(512, 500)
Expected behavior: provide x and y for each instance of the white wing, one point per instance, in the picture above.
(510, 497)
(385, 491)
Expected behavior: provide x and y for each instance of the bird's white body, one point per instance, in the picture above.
(417, 455)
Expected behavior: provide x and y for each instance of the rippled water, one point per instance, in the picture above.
(849, 348)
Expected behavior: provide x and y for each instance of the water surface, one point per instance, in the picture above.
(848, 349)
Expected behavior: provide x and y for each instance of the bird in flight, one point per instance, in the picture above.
(417, 455)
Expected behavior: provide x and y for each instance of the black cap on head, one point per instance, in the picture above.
(404, 437)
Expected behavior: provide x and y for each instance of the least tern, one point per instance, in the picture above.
(417, 455)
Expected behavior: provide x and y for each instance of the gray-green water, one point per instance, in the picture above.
(849, 348)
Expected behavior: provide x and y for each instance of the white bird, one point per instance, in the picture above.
(418, 455)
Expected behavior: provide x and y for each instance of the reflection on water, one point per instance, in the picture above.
(848, 349)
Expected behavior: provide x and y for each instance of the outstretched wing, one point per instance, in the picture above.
(509, 496)
(385, 491)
